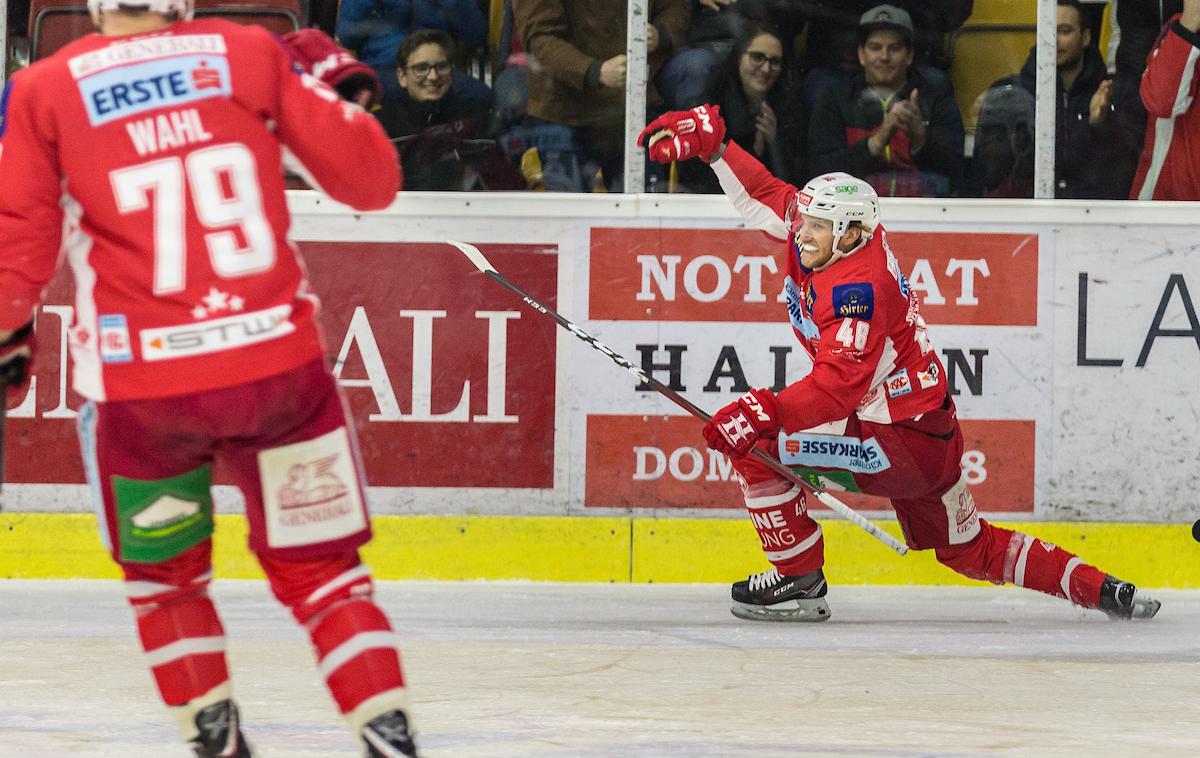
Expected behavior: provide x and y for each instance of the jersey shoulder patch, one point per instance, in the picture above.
(854, 300)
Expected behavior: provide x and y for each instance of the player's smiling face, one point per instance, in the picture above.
(426, 74)
(814, 240)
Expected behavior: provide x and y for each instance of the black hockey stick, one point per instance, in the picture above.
(774, 464)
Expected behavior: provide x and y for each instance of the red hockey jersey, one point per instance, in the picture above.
(155, 164)
(858, 318)
(1169, 168)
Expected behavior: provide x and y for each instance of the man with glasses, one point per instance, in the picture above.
(899, 131)
(435, 115)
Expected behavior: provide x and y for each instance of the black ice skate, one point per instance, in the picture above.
(220, 733)
(1122, 600)
(387, 736)
(771, 597)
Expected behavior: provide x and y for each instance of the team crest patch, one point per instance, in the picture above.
(855, 300)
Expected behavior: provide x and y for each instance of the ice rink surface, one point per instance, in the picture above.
(509, 670)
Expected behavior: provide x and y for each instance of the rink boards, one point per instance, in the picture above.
(505, 448)
(604, 549)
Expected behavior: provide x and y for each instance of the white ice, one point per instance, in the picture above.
(509, 670)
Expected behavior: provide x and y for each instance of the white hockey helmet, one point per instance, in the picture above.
(181, 9)
(839, 198)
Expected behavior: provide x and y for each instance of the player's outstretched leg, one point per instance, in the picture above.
(355, 646)
(184, 642)
(1002, 556)
(794, 589)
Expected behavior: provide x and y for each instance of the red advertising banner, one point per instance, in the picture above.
(450, 378)
(662, 462)
(737, 275)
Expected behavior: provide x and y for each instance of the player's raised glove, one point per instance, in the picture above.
(679, 135)
(314, 52)
(736, 429)
(16, 353)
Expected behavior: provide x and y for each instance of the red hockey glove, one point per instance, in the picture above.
(317, 54)
(16, 353)
(736, 429)
(679, 135)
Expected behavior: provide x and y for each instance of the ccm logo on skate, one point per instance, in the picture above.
(216, 334)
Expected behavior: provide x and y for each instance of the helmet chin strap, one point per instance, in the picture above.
(838, 253)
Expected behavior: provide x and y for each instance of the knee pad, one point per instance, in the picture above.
(309, 588)
(982, 558)
(151, 585)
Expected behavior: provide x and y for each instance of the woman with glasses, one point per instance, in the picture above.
(753, 90)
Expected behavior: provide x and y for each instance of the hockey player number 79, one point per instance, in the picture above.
(161, 183)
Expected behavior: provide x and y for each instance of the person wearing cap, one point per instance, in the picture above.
(896, 129)
(874, 413)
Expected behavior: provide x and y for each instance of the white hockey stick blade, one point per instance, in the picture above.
(474, 254)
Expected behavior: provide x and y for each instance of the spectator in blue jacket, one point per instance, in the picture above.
(374, 29)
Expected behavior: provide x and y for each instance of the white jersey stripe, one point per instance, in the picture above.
(346, 577)
(138, 590)
(752, 210)
(183, 648)
(1164, 128)
(792, 552)
(1019, 573)
(772, 501)
(1066, 577)
(359, 643)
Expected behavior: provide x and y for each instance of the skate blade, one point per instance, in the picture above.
(815, 609)
(1144, 607)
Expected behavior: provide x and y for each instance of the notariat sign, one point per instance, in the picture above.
(662, 462)
(737, 275)
(450, 378)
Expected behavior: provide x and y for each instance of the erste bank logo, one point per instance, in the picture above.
(125, 91)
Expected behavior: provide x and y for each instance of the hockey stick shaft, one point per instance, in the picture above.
(835, 505)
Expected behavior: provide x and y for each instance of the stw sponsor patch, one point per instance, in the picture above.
(855, 300)
(125, 91)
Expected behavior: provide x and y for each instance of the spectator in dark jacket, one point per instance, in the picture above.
(897, 130)
(759, 107)
(374, 29)
(1084, 140)
(436, 123)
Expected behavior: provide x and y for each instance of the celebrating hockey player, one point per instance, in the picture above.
(152, 154)
(874, 413)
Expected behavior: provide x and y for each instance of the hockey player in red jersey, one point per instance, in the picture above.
(1169, 168)
(873, 415)
(152, 154)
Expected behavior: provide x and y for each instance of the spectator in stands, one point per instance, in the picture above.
(1169, 168)
(577, 68)
(374, 29)
(759, 108)
(1002, 158)
(899, 131)
(1140, 22)
(831, 43)
(1084, 141)
(686, 79)
(438, 128)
